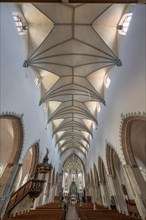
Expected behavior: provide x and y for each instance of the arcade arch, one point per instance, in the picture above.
(11, 139)
(28, 168)
(118, 180)
(134, 149)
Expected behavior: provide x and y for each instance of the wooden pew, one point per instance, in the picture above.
(86, 212)
(52, 211)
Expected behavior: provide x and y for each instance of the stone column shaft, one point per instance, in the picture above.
(5, 196)
(138, 186)
(118, 195)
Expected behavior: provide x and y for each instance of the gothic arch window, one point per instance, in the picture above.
(20, 23)
(107, 81)
(124, 24)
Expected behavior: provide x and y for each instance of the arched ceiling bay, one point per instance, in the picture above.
(72, 48)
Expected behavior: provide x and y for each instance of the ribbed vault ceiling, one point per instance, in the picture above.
(71, 48)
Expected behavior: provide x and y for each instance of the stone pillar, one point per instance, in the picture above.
(42, 193)
(6, 193)
(106, 186)
(138, 186)
(90, 190)
(115, 190)
(87, 190)
(92, 193)
(54, 191)
(38, 176)
(45, 191)
(48, 187)
(98, 198)
(59, 185)
(103, 194)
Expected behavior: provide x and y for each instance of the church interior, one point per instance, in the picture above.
(72, 111)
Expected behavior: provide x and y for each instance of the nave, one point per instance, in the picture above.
(72, 110)
(72, 213)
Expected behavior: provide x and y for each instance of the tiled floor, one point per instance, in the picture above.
(72, 213)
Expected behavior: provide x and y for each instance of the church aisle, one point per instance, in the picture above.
(72, 213)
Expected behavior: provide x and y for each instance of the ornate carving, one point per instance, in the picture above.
(32, 187)
(44, 167)
(36, 188)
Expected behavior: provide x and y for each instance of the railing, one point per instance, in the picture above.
(32, 188)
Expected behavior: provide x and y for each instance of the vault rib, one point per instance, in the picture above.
(75, 125)
(72, 142)
(73, 50)
(73, 149)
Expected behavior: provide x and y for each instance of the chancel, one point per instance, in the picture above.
(72, 110)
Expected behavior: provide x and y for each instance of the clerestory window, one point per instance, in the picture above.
(21, 27)
(124, 24)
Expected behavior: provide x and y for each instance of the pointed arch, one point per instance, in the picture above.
(30, 161)
(11, 125)
(11, 140)
(109, 157)
(126, 137)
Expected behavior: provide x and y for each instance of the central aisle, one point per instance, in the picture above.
(72, 213)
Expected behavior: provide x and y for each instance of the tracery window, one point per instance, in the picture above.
(124, 24)
(107, 81)
(19, 22)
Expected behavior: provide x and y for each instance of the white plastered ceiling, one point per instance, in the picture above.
(72, 47)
